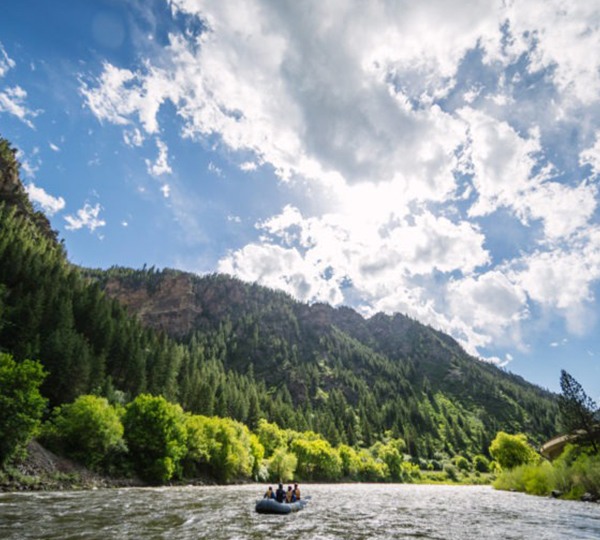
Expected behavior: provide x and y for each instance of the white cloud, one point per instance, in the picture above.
(562, 279)
(508, 171)
(561, 36)
(217, 171)
(486, 308)
(248, 166)
(6, 63)
(30, 163)
(49, 204)
(406, 135)
(500, 362)
(280, 268)
(591, 156)
(112, 101)
(87, 217)
(53, 147)
(133, 137)
(29, 169)
(161, 165)
(166, 190)
(564, 209)
(12, 101)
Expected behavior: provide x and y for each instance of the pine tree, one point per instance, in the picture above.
(577, 409)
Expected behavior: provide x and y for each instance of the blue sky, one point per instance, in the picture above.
(439, 159)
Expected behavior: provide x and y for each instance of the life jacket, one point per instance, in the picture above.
(269, 494)
(288, 496)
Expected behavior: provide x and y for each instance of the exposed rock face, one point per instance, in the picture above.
(170, 305)
(42, 470)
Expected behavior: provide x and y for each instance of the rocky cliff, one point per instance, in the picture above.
(168, 305)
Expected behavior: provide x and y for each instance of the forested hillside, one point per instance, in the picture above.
(222, 347)
(356, 378)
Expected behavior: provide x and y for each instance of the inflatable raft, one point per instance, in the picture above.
(271, 506)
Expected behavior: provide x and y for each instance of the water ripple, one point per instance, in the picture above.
(353, 511)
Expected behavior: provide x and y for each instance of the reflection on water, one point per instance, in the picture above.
(357, 511)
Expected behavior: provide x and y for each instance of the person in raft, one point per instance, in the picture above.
(280, 494)
(297, 492)
(269, 494)
(290, 497)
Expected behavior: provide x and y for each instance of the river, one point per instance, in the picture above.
(348, 511)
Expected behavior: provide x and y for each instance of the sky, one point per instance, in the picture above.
(439, 159)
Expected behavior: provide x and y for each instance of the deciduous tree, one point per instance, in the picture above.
(86, 430)
(511, 450)
(156, 436)
(21, 404)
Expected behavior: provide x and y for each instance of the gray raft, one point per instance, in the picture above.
(271, 506)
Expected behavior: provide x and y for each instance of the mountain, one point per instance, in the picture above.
(319, 354)
(220, 346)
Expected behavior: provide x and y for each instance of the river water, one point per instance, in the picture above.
(349, 511)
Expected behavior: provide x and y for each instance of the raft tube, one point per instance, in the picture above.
(271, 506)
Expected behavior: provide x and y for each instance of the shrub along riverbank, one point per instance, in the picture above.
(42, 470)
(574, 475)
(158, 442)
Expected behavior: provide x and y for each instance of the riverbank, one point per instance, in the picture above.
(42, 470)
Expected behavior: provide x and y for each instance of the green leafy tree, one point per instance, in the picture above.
(271, 437)
(577, 409)
(257, 451)
(282, 465)
(350, 461)
(87, 430)
(21, 404)
(198, 444)
(481, 463)
(451, 472)
(222, 447)
(156, 436)
(391, 456)
(512, 450)
(371, 469)
(317, 460)
(461, 462)
(229, 448)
